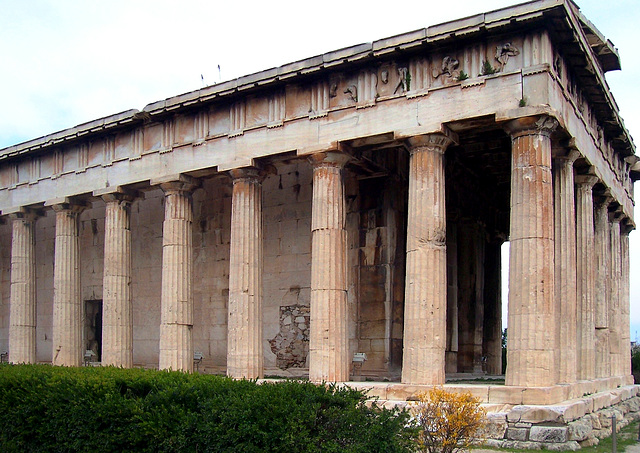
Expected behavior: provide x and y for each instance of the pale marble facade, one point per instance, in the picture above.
(352, 202)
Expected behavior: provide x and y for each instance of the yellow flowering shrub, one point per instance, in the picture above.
(447, 421)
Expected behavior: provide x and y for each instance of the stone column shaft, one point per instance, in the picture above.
(615, 321)
(451, 365)
(492, 341)
(565, 263)
(176, 316)
(68, 310)
(244, 337)
(117, 324)
(532, 313)
(22, 324)
(425, 311)
(328, 338)
(625, 334)
(603, 265)
(585, 277)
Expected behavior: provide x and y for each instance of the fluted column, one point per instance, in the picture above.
(117, 324)
(532, 312)
(328, 339)
(176, 302)
(68, 311)
(22, 317)
(615, 321)
(625, 334)
(425, 301)
(602, 269)
(244, 337)
(492, 332)
(565, 262)
(585, 277)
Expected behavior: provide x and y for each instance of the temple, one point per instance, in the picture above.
(294, 221)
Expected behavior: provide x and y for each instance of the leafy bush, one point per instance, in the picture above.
(45, 408)
(447, 421)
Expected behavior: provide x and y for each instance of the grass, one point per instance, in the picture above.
(627, 436)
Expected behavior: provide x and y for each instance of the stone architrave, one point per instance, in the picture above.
(615, 321)
(603, 296)
(244, 334)
(531, 347)
(328, 336)
(585, 277)
(565, 262)
(176, 300)
(22, 317)
(117, 324)
(68, 311)
(423, 360)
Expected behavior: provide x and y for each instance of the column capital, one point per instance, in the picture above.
(626, 226)
(586, 181)
(565, 155)
(176, 183)
(532, 125)
(247, 174)
(117, 193)
(67, 204)
(329, 158)
(436, 142)
(24, 213)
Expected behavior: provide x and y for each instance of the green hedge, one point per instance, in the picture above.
(45, 408)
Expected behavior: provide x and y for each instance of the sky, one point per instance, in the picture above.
(65, 62)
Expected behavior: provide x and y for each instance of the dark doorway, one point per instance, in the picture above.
(93, 328)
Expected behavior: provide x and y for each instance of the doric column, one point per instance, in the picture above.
(585, 277)
(425, 301)
(244, 337)
(117, 324)
(615, 321)
(602, 269)
(532, 313)
(176, 302)
(625, 334)
(22, 317)
(492, 332)
(328, 340)
(451, 365)
(565, 262)
(68, 311)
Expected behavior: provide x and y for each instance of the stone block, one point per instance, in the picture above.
(545, 395)
(579, 430)
(519, 434)
(505, 395)
(601, 400)
(481, 392)
(572, 445)
(551, 434)
(535, 414)
(496, 426)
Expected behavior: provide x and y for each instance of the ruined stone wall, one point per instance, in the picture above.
(287, 268)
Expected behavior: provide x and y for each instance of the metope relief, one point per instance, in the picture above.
(503, 53)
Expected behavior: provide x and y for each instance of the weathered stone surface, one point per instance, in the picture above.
(519, 434)
(579, 430)
(552, 434)
(535, 414)
(291, 345)
(496, 426)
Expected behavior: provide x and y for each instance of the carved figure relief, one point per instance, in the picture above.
(403, 81)
(333, 92)
(352, 91)
(449, 68)
(384, 76)
(503, 53)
